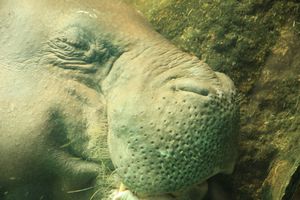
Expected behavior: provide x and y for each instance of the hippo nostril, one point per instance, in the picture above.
(200, 91)
(191, 86)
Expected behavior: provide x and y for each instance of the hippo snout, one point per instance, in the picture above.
(166, 138)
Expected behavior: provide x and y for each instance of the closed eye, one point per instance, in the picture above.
(78, 49)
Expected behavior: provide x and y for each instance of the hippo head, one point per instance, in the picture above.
(91, 80)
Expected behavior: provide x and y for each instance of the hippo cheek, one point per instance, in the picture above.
(168, 140)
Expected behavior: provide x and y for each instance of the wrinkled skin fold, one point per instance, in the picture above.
(87, 88)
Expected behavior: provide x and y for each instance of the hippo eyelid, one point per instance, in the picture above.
(64, 43)
(78, 44)
(67, 51)
(62, 49)
(78, 49)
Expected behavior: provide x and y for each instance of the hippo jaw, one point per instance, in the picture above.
(172, 126)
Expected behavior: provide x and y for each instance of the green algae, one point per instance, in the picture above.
(231, 36)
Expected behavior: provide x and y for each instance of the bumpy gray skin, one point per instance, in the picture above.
(74, 73)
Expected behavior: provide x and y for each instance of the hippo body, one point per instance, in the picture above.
(87, 87)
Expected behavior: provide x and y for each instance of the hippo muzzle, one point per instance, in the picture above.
(171, 121)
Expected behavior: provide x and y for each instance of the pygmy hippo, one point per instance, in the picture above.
(87, 88)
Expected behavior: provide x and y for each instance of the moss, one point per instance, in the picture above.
(231, 36)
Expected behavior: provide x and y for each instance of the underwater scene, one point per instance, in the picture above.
(150, 100)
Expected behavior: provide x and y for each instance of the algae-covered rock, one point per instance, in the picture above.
(255, 42)
(231, 36)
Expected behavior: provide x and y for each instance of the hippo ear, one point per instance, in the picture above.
(76, 48)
